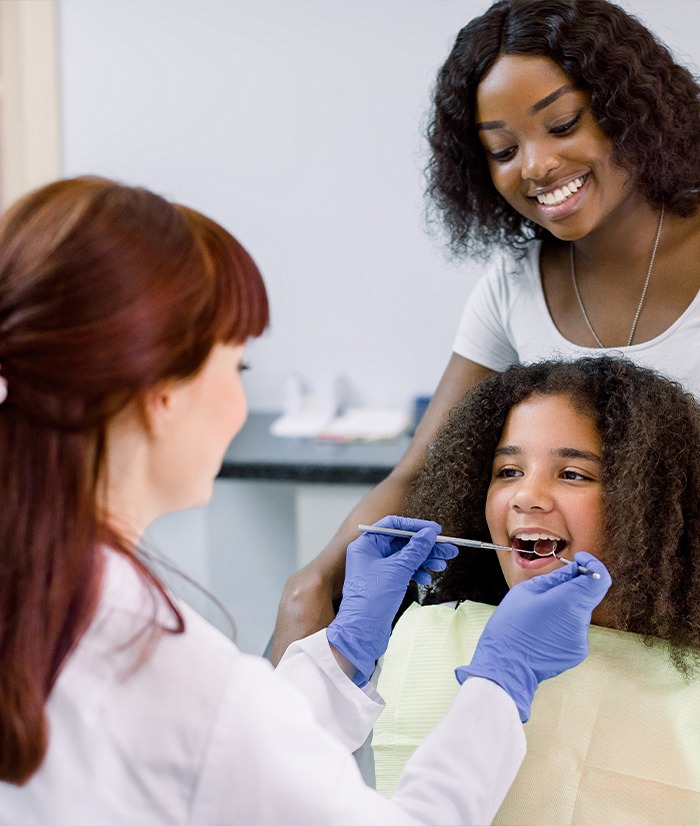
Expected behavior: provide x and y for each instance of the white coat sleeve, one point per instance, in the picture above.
(271, 761)
(338, 706)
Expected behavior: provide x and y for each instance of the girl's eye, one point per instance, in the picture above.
(565, 128)
(575, 476)
(243, 366)
(508, 473)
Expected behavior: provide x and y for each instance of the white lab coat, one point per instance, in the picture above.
(201, 734)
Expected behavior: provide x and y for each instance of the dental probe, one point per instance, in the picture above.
(468, 543)
(581, 568)
(453, 540)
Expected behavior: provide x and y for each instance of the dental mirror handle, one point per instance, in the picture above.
(465, 543)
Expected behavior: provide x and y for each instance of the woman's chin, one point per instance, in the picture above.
(191, 499)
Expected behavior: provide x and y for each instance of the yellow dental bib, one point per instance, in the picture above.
(616, 740)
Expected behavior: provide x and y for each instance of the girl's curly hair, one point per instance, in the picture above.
(650, 432)
(647, 104)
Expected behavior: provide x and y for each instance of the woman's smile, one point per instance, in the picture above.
(562, 199)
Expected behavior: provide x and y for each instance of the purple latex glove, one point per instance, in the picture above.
(377, 572)
(539, 630)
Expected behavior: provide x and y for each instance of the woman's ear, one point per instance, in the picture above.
(162, 405)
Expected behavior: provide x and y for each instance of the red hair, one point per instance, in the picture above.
(105, 290)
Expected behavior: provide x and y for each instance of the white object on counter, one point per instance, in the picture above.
(367, 423)
(310, 404)
(355, 424)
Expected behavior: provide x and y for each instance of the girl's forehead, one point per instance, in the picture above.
(545, 417)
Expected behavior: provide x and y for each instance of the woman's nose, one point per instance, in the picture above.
(539, 161)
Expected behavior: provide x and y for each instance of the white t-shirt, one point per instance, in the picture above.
(506, 321)
(201, 734)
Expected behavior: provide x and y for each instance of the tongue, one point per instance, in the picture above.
(545, 547)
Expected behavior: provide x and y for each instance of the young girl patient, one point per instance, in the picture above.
(596, 454)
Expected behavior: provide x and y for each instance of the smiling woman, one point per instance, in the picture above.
(558, 65)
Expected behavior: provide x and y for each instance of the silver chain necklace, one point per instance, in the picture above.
(644, 291)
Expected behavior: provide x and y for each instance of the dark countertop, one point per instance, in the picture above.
(256, 454)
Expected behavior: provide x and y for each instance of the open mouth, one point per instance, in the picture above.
(561, 194)
(537, 545)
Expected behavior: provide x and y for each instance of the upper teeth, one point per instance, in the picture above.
(533, 537)
(560, 195)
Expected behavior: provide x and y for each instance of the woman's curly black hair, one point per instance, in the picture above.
(650, 472)
(647, 104)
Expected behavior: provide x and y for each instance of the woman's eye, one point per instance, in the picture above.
(243, 366)
(565, 128)
(501, 155)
